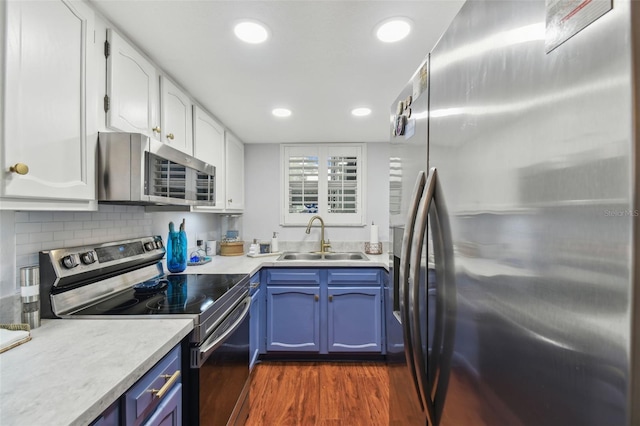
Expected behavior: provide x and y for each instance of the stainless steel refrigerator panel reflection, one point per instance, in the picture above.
(534, 153)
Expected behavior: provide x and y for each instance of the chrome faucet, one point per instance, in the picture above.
(323, 246)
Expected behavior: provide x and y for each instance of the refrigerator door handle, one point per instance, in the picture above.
(433, 381)
(417, 354)
(403, 276)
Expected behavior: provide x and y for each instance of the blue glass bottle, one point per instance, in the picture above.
(176, 249)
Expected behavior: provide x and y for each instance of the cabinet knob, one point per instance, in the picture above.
(170, 136)
(330, 298)
(230, 200)
(316, 297)
(156, 129)
(19, 168)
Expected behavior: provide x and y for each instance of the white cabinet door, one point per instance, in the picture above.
(208, 146)
(176, 117)
(132, 89)
(234, 170)
(50, 86)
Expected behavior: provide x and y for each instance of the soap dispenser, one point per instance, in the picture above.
(274, 243)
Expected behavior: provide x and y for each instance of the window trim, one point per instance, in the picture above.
(323, 151)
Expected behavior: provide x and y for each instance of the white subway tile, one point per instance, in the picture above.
(27, 228)
(38, 237)
(52, 226)
(82, 216)
(62, 235)
(30, 248)
(21, 217)
(63, 216)
(40, 216)
(83, 233)
(72, 226)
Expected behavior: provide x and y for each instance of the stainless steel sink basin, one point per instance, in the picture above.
(346, 256)
(325, 256)
(300, 256)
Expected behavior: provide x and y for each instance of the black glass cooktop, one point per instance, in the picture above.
(169, 294)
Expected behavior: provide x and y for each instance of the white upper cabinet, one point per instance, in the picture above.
(234, 170)
(208, 146)
(48, 139)
(132, 89)
(176, 122)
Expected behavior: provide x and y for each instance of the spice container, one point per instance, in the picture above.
(30, 295)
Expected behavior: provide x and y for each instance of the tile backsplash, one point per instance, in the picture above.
(35, 231)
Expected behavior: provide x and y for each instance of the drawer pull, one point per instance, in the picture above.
(159, 393)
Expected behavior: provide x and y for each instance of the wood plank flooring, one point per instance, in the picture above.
(319, 393)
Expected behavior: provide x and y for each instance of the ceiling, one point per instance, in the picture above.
(322, 59)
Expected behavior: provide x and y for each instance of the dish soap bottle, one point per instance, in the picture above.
(274, 243)
(177, 248)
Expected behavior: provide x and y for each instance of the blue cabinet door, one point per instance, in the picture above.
(354, 319)
(293, 318)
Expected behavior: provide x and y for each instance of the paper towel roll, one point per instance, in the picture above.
(374, 239)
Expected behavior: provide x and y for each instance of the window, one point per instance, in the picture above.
(327, 180)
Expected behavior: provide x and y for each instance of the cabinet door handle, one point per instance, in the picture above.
(159, 393)
(156, 129)
(230, 200)
(316, 297)
(330, 298)
(19, 168)
(170, 136)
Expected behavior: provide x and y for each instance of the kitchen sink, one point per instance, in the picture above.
(323, 256)
(300, 256)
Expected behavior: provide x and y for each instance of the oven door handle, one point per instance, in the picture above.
(224, 330)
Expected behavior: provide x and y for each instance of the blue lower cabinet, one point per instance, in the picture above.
(169, 412)
(293, 318)
(110, 416)
(324, 311)
(354, 319)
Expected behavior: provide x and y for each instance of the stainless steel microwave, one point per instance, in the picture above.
(136, 169)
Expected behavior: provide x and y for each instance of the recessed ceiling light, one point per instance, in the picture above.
(251, 32)
(281, 112)
(394, 29)
(361, 112)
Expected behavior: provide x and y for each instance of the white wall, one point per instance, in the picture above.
(262, 197)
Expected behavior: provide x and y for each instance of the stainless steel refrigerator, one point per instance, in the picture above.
(514, 296)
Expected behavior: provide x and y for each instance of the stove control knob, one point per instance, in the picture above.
(149, 246)
(87, 258)
(159, 244)
(69, 261)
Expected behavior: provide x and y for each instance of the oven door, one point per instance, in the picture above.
(220, 372)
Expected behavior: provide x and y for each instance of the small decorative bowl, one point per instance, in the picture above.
(373, 248)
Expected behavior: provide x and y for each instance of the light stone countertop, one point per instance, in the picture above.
(72, 370)
(250, 265)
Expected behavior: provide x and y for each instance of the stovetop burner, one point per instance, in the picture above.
(155, 285)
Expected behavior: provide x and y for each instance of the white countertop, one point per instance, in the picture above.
(250, 265)
(72, 370)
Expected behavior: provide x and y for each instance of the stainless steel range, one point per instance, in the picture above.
(127, 279)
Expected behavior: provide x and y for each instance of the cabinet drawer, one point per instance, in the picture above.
(354, 276)
(140, 400)
(293, 276)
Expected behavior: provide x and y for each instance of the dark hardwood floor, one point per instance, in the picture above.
(319, 393)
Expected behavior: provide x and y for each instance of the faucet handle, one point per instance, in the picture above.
(326, 245)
